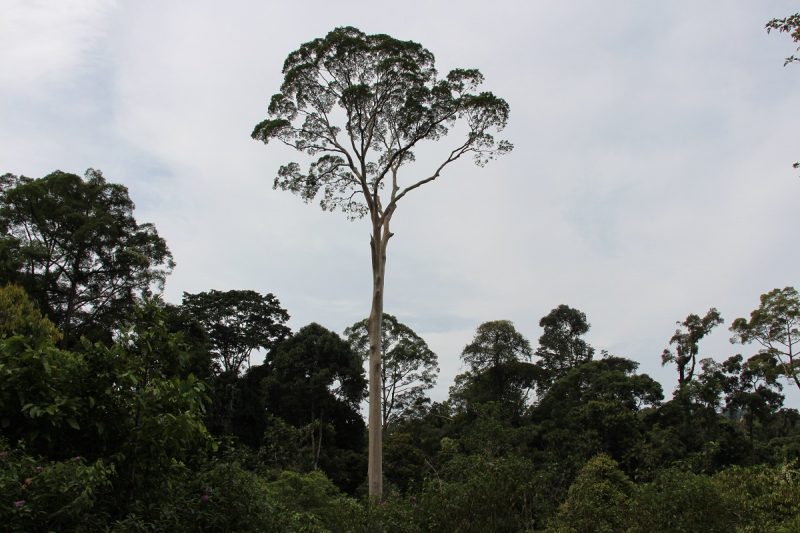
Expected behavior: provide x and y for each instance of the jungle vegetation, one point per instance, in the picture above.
(154, 419)
(121, 412)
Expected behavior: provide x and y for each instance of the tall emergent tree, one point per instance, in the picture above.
(409, 366)
(790, 25)
(359, 105)
(75, 247)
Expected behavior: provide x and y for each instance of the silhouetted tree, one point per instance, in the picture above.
(686, 343)
(561, 346)
(238, 323)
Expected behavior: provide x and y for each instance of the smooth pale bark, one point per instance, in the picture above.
(378, 242)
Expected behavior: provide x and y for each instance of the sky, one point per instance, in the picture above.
(651, 176)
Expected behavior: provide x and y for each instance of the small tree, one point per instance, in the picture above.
(562, 346)
(597, 500)
(237, 323)
(315, 374)
(686, 348)
(390, 100)
(409, 366)
(20, 316)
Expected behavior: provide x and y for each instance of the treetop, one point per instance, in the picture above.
(391, 99)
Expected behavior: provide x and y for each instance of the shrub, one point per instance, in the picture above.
(36, 495)
(763, 499)
(476, 493)
(596, 501)
(681, 502)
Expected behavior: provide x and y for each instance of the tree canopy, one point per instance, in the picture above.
(409, 366)
(391, 99)
(499, 369)
(496, 343)
(562, 346)
(775, 326)
(237, 323)
(686, 343)
(76, 248)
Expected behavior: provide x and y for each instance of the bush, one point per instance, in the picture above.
(763, 499)
(311, 493)
(597, 500)
(41, 496)
(681, 502)
(219, 496)
(476, 493)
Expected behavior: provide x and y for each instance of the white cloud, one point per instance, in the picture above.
(48, 42)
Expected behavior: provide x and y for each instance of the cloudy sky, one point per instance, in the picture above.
(651, 177)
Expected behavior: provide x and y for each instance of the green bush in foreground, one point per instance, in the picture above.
(681, 502)
(597, 500)
(221, 496)
(764, 499)
(37, 495)
(744, 500)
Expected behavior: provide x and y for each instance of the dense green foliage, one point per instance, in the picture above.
(121, 437)
(156, 428)
(237, 323)
(75, 247)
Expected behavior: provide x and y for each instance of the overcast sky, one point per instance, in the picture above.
(651, 177)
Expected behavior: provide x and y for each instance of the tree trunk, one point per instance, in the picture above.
(378, 246)
(791, 357)
(318, 449)
(691, 370)
(387, 397)
(313, 444)
(66, 329)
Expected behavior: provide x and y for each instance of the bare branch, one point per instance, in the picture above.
(454, 155)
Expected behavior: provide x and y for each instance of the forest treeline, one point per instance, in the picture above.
(121, 412)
